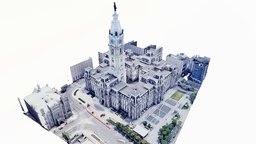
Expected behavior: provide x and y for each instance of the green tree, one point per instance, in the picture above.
(174, 122)
(167, 138)
(170, 126)
(145, 123)
(161, 137)
(149, 125)
(132, 135)
(192, 97)
(185, 106)
(126, 129)
(164, 133)
(143, 142)
(163, 142)
(129, 132)
(137, 138)
(65, 135)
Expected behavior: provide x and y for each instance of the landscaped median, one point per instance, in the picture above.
(76, 92)
(81, 100)
(111, 122)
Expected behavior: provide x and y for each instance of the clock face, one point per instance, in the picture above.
(120, 41)
(111, 41)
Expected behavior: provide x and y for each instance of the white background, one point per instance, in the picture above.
(39, 40)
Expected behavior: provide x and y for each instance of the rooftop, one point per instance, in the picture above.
(134, 89)
(43, 97)
(119, 86)
(141, 131)
(204, 59)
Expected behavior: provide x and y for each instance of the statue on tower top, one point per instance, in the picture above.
(115, 6)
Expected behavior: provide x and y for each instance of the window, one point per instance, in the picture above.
(112, 51)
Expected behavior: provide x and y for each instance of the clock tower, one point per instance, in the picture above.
(116, 49)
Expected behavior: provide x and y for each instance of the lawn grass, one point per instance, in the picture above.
(177, 95)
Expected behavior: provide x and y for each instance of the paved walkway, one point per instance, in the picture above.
(163, 114)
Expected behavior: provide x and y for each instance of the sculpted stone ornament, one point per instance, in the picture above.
(115, 6)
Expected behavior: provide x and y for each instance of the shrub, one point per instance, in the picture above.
(145, 123)
(65, 135)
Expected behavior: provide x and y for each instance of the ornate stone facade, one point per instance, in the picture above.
(129, 78)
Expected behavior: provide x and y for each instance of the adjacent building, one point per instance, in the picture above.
(47, 107)
(199, 66)
(180, 62)
(77, 70)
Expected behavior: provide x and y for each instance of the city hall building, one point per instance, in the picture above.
(130, 78)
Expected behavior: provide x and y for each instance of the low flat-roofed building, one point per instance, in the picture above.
(141, 131)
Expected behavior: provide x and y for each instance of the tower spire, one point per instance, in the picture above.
(115, 6)
(115, 25)
(116, 49)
